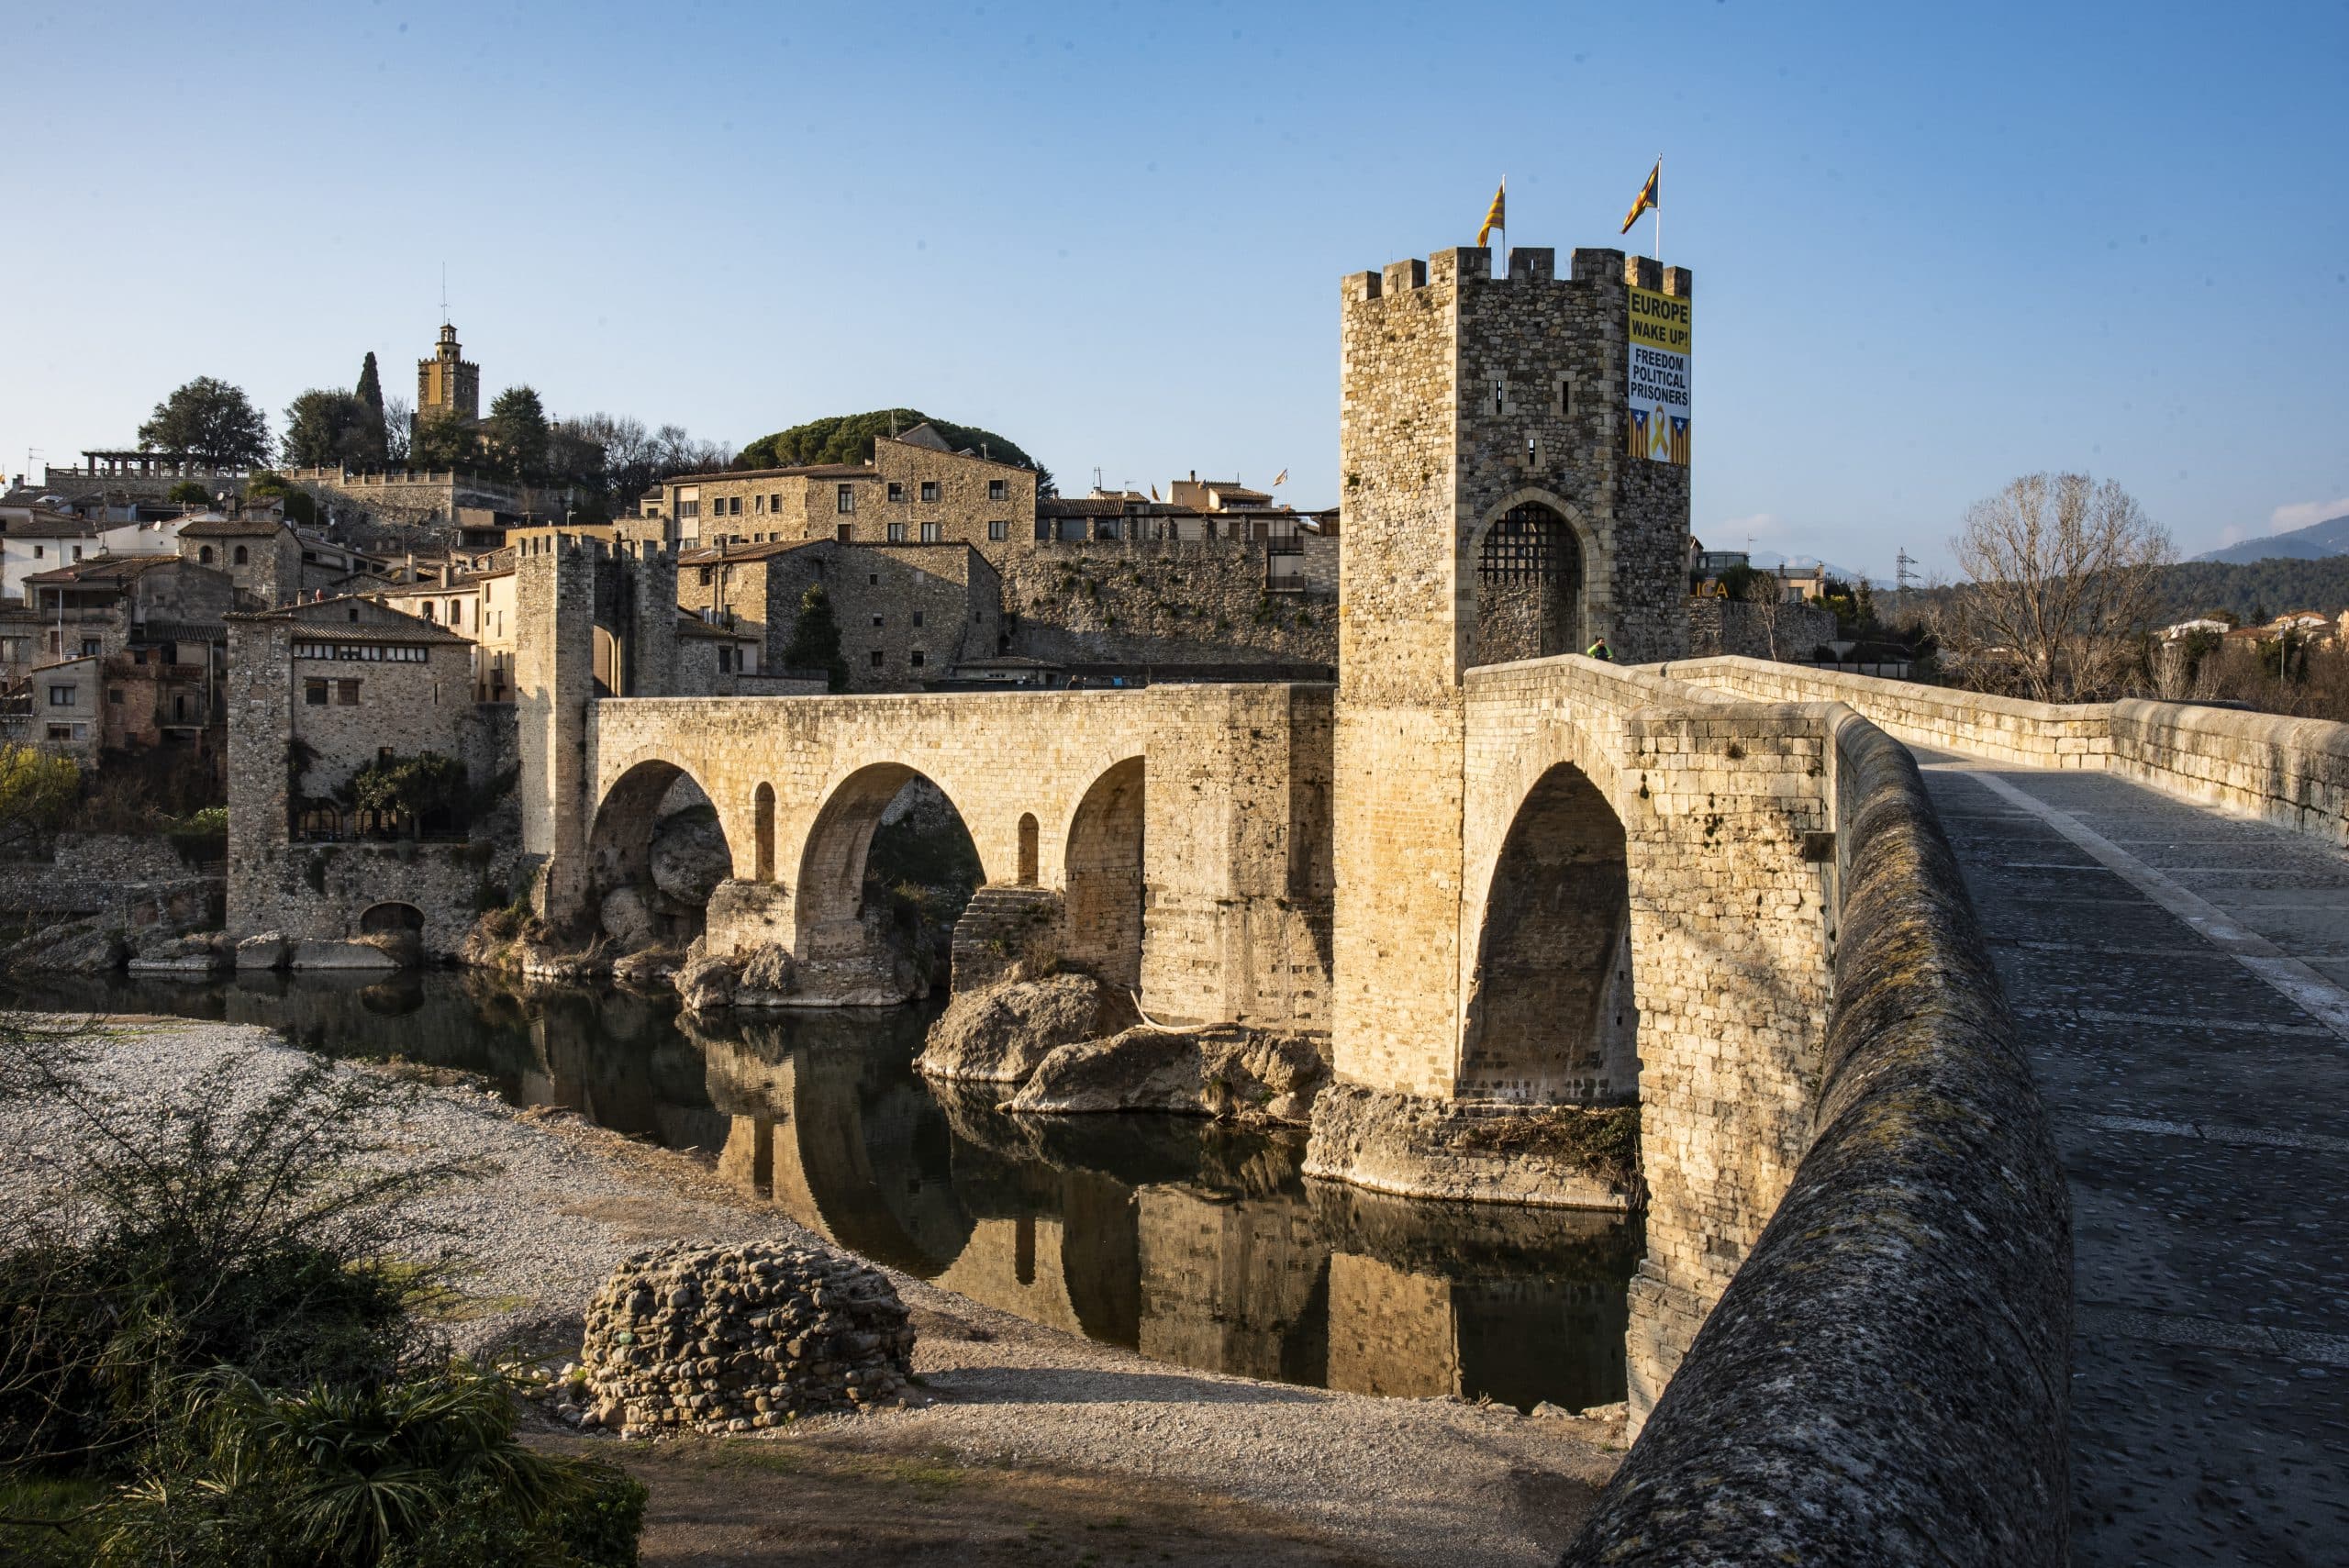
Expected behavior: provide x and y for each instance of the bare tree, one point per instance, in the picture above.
(399, 425)
(2064, 575)
(1766, 592)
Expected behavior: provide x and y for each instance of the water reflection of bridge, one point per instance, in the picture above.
(1192, 1243)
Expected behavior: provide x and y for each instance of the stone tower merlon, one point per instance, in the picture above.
(1463, 395)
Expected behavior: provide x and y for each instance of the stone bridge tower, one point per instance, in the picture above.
(1491, 513)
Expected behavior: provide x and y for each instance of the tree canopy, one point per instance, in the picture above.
(444, 439)
(516, 436)
(324, 426)
(210, 419)
(815, 639)
(371, 385)
(301, 506)
(848, 438)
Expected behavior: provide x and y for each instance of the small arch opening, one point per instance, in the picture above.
(1529, 587)
(391, 919)
(1104, 899)
(203, 556)
(1027, 860)
(241, 556)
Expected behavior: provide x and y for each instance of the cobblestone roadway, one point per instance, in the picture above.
(2183, 980)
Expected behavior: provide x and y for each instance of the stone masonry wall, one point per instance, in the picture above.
(1155, 601)
(1719, 625)
(1886, 1378)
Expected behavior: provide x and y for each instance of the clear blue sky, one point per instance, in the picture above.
(1934, 248)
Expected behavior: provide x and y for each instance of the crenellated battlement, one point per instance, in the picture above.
(1464, 264)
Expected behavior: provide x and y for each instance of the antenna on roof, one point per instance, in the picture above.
(444, 294)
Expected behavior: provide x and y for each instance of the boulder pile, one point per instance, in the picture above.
(735, 1338)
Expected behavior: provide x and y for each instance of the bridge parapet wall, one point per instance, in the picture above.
(2291, 772)
(1886, 1377)
(2006, 729)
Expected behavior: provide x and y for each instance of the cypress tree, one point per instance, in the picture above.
(370, 386)
(815, 639)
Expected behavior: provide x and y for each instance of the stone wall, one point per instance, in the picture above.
(1886, 1378)
(2291, 772)
(2005, 730)
(1719, 625)
(130, 879)
(1159, 601)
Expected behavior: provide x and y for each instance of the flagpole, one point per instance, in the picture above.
(1659, 210)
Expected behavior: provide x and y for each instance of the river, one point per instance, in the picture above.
(1192, 1242)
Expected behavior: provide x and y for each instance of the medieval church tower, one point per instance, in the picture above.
(447, 382)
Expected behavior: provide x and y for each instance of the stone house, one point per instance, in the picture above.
(105, 605)
(65, 712)
(475, 603)
(257, 547)
(37, 539)
(318, 692)
(906, 613)
(914, 491)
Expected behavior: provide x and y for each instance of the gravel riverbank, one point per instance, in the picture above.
(563, 1201)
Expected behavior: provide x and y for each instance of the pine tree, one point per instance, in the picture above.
(815, 639)
(371, 385)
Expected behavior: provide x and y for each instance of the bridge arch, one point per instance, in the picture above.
(1102, 901)
(1532, 579)
(649, 794)
(828, 905)
(1549, 1013)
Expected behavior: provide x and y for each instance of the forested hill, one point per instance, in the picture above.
(848, 438)
(2274, 586)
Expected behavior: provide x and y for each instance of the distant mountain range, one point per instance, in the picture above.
(2315, 542)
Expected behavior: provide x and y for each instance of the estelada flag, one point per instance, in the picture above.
(1498, 216)
(1648, 198)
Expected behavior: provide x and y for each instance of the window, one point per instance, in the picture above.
(734, 505)
(929, 490)
(346, 694)
(242, 556)
(845, 499)
(876, 620)
(1073, 529)
(896, 533)
(203, 556)
(845, 532)
(725, 658)
(999, 531)
(456, 612)
(997, 490)
(1106, 528)
(60, 697)
(915, 659)
(933, 533)
(1565, 394)
(1043, 529)
(432, 611)
(873, 578)
(89, 646)
(60, 732)
(80, 731)
(77, 552)
(114, 695)
(917, 617)
(876, 658)
(689, 509)
(775, 502)
(37, 552)
(896, 491)
(758, 505)
(709, 575)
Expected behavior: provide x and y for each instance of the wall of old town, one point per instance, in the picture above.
(1171, 601)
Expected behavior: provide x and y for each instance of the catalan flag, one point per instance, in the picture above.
(1498, 216)
(1649, 200)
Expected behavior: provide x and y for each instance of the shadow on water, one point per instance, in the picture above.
(1194, 1243)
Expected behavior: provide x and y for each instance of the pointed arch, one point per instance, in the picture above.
(1104, 900)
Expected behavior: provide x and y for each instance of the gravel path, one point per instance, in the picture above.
(1403, 1480)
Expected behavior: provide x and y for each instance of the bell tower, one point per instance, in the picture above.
(447, 382)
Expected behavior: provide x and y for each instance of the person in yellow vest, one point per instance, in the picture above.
(1598, 650)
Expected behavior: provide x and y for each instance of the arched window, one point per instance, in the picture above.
(203, 556)
(763, 809)
(1027, 849)
(241, 555)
